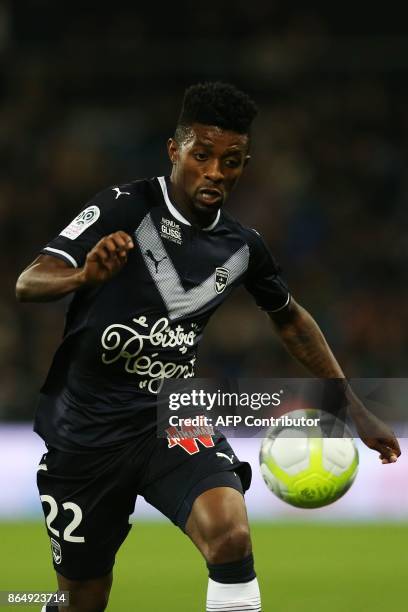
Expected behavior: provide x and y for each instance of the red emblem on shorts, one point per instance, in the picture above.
(189, 436)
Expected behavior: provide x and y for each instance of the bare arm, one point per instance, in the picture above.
(304, 340)
(49, 278)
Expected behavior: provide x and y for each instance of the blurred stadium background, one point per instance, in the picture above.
(89, 96)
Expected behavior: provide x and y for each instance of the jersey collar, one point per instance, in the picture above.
(176, 213)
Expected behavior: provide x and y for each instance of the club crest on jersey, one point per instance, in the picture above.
(56, 551)
(170, 230)
(221, 279)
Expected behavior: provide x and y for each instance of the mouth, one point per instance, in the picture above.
(210, 195)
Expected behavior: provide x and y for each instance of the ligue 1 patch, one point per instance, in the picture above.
(86, 218)
(170, 230)
(56, 551)
(221, 279)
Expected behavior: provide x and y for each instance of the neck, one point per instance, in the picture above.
(183, 203)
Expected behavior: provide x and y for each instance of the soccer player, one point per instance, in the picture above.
(147, 263)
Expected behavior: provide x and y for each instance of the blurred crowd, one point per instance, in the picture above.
(88, 99)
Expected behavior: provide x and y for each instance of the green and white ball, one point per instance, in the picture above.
(304, 468)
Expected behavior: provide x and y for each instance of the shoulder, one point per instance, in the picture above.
(125, 194)
(261, 259)
(123, 203)
(249, 235)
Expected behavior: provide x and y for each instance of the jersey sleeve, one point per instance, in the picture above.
(263, 279)
(102, 215)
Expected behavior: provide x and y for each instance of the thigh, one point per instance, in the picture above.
(218, 524)
(188, 473)
(87, 502)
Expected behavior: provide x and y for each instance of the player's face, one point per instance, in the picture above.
(206, 167)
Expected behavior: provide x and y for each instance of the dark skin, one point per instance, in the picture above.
(209, 159)
(206, 167)
(304, 340)
(48, 278)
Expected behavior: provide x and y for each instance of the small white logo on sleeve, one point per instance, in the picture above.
(119, 192)
(86, 218)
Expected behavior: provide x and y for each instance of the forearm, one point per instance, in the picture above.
(38, 285)
(304, 340)
(302, 337)
(50, 278)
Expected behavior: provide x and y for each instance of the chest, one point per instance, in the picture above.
(176, 270)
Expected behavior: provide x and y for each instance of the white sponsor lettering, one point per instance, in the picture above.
(170, 230)
(124, 342)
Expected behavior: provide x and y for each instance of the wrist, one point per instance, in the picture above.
(81, 279)
(356, 408)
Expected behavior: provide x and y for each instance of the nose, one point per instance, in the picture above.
(213, 171)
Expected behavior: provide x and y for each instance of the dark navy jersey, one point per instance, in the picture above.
(123, 338)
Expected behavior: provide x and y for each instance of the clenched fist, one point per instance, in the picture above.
(107, 258)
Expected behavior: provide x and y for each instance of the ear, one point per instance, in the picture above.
(246, 160)
(172, 149)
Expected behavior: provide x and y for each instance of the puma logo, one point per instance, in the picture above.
(230, 459)
(119, 192)
(154, 260)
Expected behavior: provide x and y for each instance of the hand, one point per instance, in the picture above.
(378, 436)
(374, 433)
(107, 258)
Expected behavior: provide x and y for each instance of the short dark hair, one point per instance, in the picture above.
(216, 103)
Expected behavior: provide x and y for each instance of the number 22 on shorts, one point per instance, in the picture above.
(76, 519)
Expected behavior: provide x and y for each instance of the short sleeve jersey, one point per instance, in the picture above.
(123, 338)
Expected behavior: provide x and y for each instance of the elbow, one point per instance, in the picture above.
(22, 290)
(288, 317)
(291, 322)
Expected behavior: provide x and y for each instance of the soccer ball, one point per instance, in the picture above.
(303, 467)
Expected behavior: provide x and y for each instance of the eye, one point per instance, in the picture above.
(232, 162)
(200, 156)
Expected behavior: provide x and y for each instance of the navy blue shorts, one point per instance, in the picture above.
(87, 498)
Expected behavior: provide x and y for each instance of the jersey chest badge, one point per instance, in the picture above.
(221, 279)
